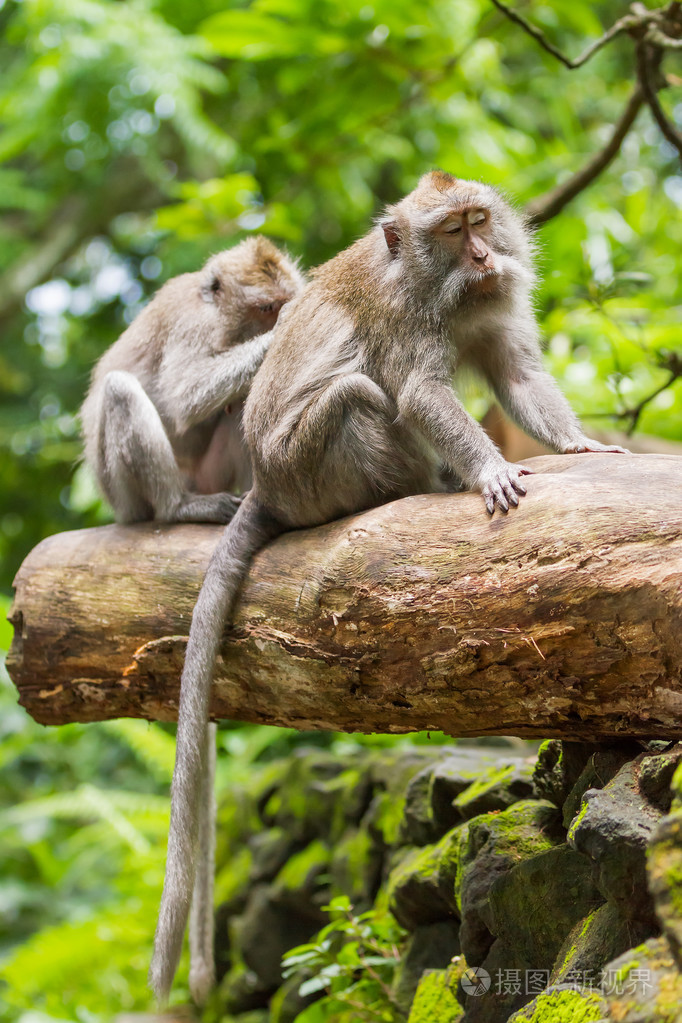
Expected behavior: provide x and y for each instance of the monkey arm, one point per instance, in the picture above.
(432, 406)
(195, 389)
(534, 401)
(529, 394)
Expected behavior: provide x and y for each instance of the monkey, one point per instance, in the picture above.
(162, 417)
(354, 406)
(162, 429)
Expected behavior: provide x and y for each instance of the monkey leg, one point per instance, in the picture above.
(137, 468)
(363, 455)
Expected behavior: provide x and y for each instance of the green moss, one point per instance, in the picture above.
(587, 922)
(459, 873)
(520, 829)
(665, 873)
(434, 1002)
(439, 862)
(489, 780)
(561, 1007)
(544, 746)
(301, 868)
(676, 786)
(577, 819)
(669, 998)
(388, 816)
(234, 876)
(567, 958)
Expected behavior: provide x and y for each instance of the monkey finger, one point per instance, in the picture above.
(523, 470)
(500, 498)
(509, 493)
(519, 487)
(489, 500)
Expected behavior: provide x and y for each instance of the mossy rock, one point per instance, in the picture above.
(241, 990)
(318, 795)
(275, 919)
(562, 1005)
(533, 906)
(497, 789)
(435, 1001)
(559, 765)
(356, 867)
(495, 842)
(492, 999)
(602, 765)
(429, 810)
(644, 985)
(613, 828)
(665, 878)
(421, 888)
(391, 776)
(429, 947)
(596, 939)
(269, 851)
(257, 1016)
(656, 775)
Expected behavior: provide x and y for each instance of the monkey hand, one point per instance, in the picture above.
(499, 483)
(585, 444)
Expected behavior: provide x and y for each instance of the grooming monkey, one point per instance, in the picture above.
(353, 407)
(162, 418)
(162, 428)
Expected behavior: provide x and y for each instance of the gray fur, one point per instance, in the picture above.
(354, 406)
(162, 418)
(162, 428)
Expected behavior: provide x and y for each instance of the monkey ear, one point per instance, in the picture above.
(210, 286)
(390, 229)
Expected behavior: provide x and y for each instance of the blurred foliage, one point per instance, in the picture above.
(352, 960)
(138, 137)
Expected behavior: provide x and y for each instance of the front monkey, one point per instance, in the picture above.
(353, 407)
(162, 418)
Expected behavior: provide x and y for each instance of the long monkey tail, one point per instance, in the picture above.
(249, 530)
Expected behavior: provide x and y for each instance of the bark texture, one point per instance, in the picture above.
(562, 618)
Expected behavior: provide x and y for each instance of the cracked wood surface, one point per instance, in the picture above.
(562, 618)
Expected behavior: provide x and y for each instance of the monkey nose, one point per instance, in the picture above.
(480, 257)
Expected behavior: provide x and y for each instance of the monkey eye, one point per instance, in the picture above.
(269, 308)
(215, 285)
(477, 218)
(453, 229)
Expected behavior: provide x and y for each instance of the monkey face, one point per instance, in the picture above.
(465, 234)
(462, 234)
(248, 285)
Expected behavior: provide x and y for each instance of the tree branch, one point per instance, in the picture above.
(421, 614)
(658, 38)
(624, 24)
(551, 203)
(645, 59)
(77, 219)
(670, 361)
(39, 262)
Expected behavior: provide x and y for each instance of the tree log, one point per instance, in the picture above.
(563, 617)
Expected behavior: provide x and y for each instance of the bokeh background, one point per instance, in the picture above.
(137, 138)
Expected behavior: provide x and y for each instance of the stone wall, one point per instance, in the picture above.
(557, 876)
